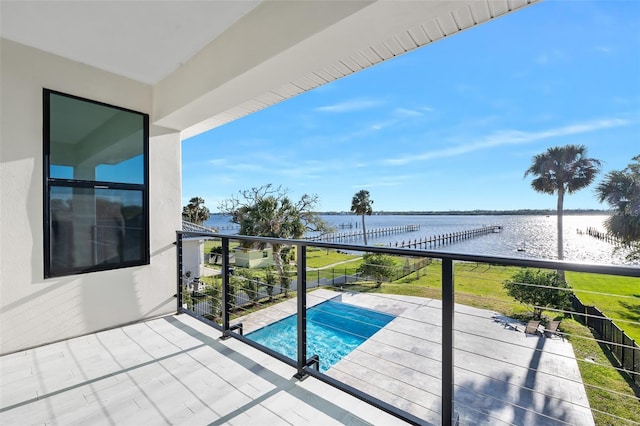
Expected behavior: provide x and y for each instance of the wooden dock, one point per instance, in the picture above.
(443, 239)
(343, 237)
(605, 236)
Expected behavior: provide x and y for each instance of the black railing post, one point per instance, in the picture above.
(447, 341)
(301, 257)
(226, 303)
(179, 271)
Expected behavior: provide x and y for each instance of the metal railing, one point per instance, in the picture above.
(232, 300)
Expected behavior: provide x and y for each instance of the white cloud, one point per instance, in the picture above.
(310, 169)
(245, 167)
(406, 113)
(396, 116)
(553, 55)
(349, 106)
(386, 181)
(604, 49)
(510, 137)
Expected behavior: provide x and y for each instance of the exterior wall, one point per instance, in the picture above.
(253, 258)
(35, 311)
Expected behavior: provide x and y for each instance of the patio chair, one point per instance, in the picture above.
(532, 327)
(552, 329)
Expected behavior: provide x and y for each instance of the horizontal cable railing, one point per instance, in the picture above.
(428, 361)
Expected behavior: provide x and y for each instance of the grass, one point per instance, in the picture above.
(318, 258)
(477, 285)
(617, 297)
(599, 374)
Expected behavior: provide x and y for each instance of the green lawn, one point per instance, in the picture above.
(476, 285)
(318, 258)
(617, 297)
(599, 375)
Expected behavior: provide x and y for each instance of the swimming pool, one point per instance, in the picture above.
(333, 330)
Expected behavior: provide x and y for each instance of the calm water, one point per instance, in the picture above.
(334, 329)
(536, 233)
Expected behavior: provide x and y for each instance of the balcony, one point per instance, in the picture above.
(443, 358)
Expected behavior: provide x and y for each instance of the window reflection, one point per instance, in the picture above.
(95, 227)
(95, 142)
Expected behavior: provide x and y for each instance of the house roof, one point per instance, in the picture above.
(212, 62)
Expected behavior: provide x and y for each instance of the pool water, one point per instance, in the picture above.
(334, 329)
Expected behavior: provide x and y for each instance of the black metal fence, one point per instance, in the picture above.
(622, 347)
(339, 276)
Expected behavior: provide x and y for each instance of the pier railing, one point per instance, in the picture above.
(437, 362)
(449, 238)
(349, 236)
(606, 236)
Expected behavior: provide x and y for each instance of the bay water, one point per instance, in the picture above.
(522, 236)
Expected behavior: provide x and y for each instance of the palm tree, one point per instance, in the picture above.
(195, 211)
(267, 211)
(361, 204)
(621, 190)
(562, 170)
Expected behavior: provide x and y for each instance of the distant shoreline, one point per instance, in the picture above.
(525, 212)
(588, 212)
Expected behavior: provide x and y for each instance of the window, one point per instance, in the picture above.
(96, 205)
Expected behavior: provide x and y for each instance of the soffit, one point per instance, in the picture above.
(141, 40)
(373, 32)
(211, 62)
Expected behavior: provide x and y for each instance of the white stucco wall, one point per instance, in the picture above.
(34, 310)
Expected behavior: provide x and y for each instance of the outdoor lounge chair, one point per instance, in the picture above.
(532, 327)
(552, 329)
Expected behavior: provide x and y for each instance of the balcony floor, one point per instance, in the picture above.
(171, 370)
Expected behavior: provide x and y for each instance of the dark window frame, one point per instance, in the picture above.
(50, 182)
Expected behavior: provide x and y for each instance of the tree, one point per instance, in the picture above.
(249, 284)
(621, 190)
(562, 170)
(361, 205)
(213, 291)
(269, 281)
(195, 211)
(378, 266)
(267, 211)
(539, 289)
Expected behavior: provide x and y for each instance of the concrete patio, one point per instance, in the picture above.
(171, 370)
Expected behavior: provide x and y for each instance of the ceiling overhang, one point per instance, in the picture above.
(213, 62)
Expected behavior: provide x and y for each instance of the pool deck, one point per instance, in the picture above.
(502, 376)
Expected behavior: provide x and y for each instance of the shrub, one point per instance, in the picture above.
(538, 290)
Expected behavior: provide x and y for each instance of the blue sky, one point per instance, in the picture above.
(450, 126)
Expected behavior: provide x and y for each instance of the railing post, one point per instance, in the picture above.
(226, 303)
(447, 341)
(301, 257)
(179, 271)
